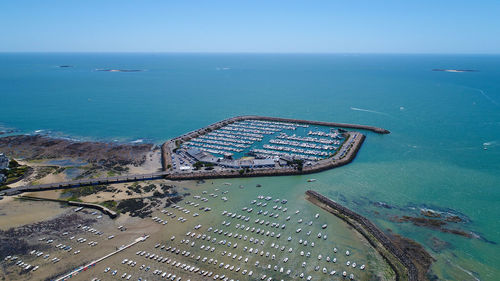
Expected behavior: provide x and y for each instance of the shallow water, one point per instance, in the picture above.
(440, 123)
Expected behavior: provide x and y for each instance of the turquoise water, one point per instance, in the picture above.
(434, 158)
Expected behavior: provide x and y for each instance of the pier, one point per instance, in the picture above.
(112, 214)
(402, 265)
(252, 128)
(93, 263)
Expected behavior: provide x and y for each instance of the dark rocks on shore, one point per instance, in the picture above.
(14, 240)
(438, 245)
(430, 213)
(382, 205)
(416, 252)
(437, 224)
(105, 154)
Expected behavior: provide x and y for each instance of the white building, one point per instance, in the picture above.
(4, 161)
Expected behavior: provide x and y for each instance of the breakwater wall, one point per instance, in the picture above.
(112, 214)
(379, 240)
(351, 145)
(168, 147)
(83, 182)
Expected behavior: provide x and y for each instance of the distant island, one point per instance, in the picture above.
(454, 70)
(119, 70)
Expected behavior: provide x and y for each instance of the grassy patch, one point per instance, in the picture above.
(84, 190)
(110, 204)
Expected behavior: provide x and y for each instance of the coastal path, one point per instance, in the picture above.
(93, 263)
(85, 182)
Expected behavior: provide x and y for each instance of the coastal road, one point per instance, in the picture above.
(85, 182)
(92, 263)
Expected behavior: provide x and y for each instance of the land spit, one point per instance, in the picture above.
(404, 267)
(351, 145)
(345, 154)
(112, 214)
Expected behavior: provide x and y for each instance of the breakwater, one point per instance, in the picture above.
(399, 261)
(174, 143)
(112, 214)
(351, 147)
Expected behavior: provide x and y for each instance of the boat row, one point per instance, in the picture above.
(279, 123)
(307, 139)
(253, 131)
(296, 150)
(218, 138)
(219, 142)
(266, 152)
(218, 147)
(234, 132)
(335, 134)
(267, 126)
(209, 150)
(248, 126)
(303, 144)
(231, 135)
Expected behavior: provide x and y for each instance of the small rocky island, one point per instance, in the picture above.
(454, 70)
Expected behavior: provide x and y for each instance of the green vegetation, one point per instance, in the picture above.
(110, 204)
(84, 190)
(14, 173)
(135, 187)
(74, 198)
(198, 165)
(149, 188)
(297, 163)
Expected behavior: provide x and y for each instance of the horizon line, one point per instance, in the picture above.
(242, 52)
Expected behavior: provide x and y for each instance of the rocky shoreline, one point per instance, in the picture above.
(32, 147)
(407, 258)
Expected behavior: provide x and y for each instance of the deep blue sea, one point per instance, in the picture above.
(443, 152)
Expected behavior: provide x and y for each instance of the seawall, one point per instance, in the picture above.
(322, 165)
(170, 145)
(402, 265)
(112, 214)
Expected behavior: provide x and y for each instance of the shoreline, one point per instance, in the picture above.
(321, 165)
(108, 155)
(404, 267)
(170, 145)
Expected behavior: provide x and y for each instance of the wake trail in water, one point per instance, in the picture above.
(464, 270)
(486, 96)
(368, 110)
(491, 143)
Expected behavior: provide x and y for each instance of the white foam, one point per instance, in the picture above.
(368, 110)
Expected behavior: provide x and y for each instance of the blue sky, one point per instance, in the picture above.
(332, 26)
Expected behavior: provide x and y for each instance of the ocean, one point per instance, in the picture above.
(443, 152)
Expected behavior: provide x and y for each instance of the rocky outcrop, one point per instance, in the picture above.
(105, 154)
(378, 239)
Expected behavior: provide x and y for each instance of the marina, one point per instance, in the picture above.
(222, 233)
(258, 145)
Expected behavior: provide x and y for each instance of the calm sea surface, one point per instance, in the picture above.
(435, 157)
